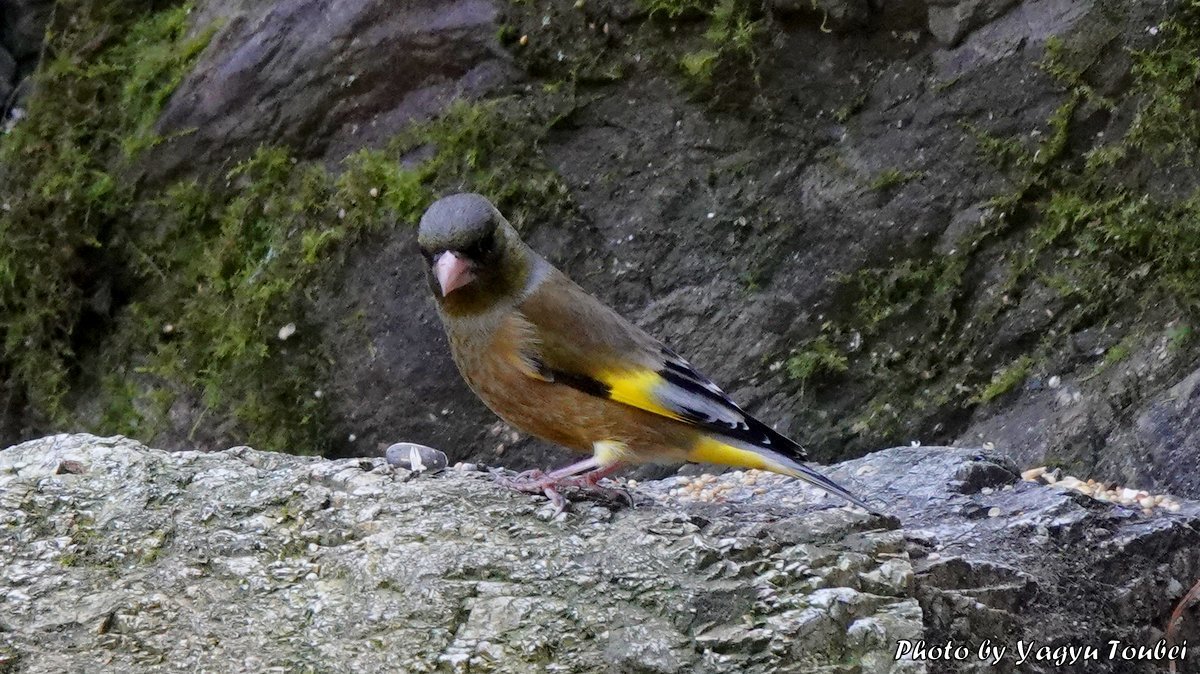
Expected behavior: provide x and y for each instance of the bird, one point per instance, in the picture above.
(552, 360)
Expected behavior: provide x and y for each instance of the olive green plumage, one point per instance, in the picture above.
(554, 361)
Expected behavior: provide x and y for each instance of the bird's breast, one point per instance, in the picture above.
(495, 363)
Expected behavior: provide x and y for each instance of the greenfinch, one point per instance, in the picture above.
(557, 363)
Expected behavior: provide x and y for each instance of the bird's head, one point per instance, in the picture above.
(474, 257)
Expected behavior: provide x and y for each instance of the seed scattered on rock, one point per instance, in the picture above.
(1033, 473)
(993, 512)
(1125, 496)
(523, 41)
(287, 331)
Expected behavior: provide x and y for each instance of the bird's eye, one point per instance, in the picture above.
(481, 247)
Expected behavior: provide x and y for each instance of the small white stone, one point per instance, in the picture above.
(287, 331)
(1054, 382)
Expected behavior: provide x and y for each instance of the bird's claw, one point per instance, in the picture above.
(538, 482)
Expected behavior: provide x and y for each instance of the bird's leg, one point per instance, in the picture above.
(590, 482)
(536, 481)
(574, 469)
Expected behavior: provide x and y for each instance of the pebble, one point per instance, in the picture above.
(414, 457)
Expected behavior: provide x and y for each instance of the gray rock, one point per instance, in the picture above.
(24, 25)
(836, 15)
(114, 553)
(115, 557)
(326, 80)
(8, 67)
(950, 21)
(999, 558)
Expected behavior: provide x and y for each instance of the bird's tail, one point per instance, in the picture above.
(731, 452)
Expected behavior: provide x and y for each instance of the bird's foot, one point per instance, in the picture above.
(539, 482)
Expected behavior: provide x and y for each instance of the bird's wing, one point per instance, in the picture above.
(580, 342)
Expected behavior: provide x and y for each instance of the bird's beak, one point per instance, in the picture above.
(452, 272)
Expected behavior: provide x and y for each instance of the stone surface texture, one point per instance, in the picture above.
(116, 557)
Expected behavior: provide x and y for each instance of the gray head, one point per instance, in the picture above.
(474, 257)
(457, 222)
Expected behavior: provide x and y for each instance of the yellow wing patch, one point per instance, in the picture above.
(710, 450)
(636, 388)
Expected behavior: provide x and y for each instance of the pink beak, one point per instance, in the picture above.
(452, 272)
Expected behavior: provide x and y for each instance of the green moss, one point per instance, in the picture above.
(929, 284)
(1119, 352)
(1168, 121)
(1006, 380)
(207, 274)
(817, 357)
(115, 64)
(244, 260)
(844, 113)
(161, 53)
(1074, 218)
(889, 178)
(675, 9)
(1179, 336)
(730, 39)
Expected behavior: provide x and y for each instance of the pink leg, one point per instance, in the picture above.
(575, 468)
(536, 481)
